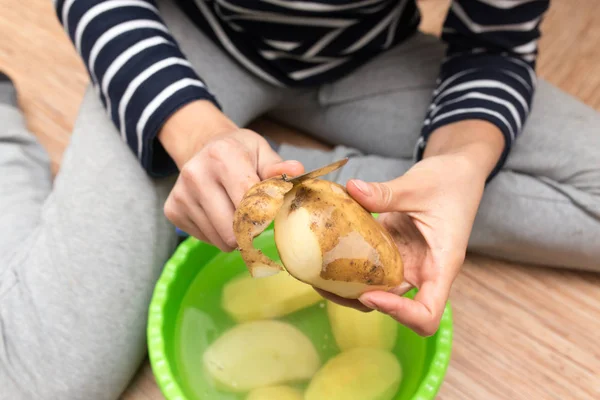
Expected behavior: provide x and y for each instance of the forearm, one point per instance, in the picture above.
(479, 142)
(487, 78)
(137, 68)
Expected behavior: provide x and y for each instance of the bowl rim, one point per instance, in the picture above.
(171, 389)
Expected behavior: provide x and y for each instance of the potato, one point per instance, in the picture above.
(324, 237)
(352, 328)
(327, 239)
(357, 374)
(260, 353)
(275, 393)
(248, 299)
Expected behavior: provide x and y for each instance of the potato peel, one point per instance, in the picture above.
(256, 211)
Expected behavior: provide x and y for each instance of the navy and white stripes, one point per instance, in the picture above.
(136, 67)
(489, 71)
(142, 77)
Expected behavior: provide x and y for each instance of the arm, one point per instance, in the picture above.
(429, 212)
(479, 107)
(489, 72)
(167, 116)
(137, 69)
(479, 141)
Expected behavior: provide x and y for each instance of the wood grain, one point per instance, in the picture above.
(521, 332)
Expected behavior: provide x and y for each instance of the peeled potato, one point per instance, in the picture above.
(324, 237)
(260, 353)
(357, 374)
(352, 328)
(248, 299)
(275, 393)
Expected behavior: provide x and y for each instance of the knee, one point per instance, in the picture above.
(69, 348)
(66, 378)
(584, 171)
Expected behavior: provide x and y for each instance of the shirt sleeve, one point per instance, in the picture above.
(489, 69)
(137, 69)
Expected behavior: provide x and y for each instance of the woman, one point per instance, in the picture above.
(83, 256)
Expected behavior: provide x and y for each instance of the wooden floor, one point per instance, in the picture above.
(521, 332)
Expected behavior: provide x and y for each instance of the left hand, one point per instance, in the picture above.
(429, 212)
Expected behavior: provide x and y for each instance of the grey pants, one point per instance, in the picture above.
(79, 258)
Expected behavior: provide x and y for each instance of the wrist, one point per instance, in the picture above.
(191, 127)
(478, 142)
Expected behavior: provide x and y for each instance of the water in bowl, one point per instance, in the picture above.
(201, 320)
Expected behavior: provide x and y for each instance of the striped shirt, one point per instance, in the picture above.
(142, 77)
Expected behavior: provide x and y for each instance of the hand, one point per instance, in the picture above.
(219, 164)
(429, 212)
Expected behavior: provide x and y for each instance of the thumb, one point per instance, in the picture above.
(270, 163)
(378, 197)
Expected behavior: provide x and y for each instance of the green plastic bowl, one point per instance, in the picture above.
(185, 317)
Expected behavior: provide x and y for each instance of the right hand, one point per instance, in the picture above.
(224, 164)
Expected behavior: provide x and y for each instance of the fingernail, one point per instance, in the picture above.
(291, 163)
(368, 302)
(402, 289)
(363, 187)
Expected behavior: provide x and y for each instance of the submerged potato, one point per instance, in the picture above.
(352, 328)
(357, 374)
(275, 393)
(324, 237)
(247, 299)
(260, 353)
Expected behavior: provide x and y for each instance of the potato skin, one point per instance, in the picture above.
(255, 212)
(354, 246)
